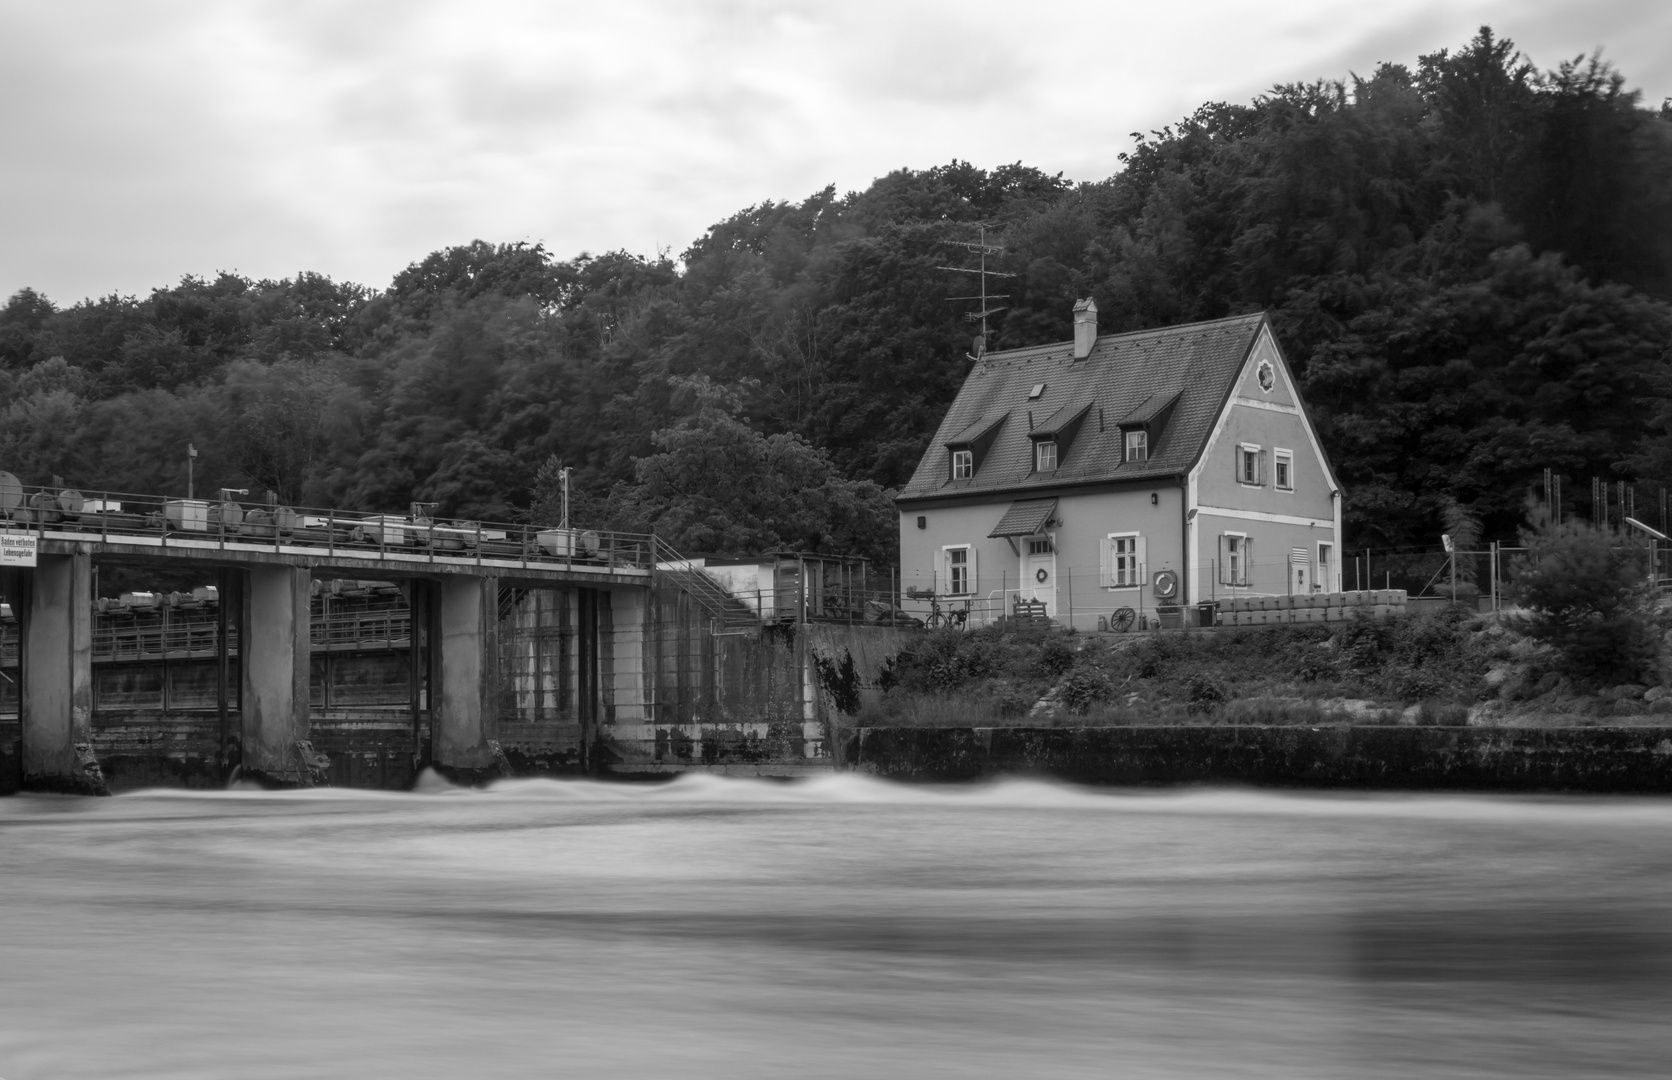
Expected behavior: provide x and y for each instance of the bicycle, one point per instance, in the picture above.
(953, 619)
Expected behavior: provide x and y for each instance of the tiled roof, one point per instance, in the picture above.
(975, 429)
(1062, 418)
(1150, 406)
(1124, 375)
(1024, 518)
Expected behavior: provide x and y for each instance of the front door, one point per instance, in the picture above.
(1039, 572)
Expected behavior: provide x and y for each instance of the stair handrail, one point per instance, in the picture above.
(715, 599)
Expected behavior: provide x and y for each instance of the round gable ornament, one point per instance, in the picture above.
(1267, 376)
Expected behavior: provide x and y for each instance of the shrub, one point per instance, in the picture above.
(1587, 594)
(1056, 656)
(1084, 688)
(1203, 695)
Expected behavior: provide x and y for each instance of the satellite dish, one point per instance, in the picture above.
(980, 345)
(11, 491)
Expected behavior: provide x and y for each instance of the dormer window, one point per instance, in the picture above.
(1137, 445)
(1045, 455)
(963, 464)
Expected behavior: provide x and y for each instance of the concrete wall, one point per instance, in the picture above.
(763, 701)
(1480, 759)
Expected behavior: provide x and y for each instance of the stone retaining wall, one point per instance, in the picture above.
(1614, 760)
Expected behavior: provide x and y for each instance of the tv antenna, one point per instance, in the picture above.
(984, 249)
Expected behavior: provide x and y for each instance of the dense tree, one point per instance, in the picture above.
(1469, 262)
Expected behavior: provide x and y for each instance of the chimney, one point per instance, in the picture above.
(1085, 327)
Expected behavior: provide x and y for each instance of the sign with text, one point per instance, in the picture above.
(17, 549)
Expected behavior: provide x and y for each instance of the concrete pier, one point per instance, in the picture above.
(274, 671)
(56, 707)
(462, 711)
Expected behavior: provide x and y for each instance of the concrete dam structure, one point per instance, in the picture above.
(353, 649)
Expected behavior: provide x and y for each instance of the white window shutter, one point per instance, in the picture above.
(1225, 560)
(1106, 573)
(1247, 561)
(1143, 562)
(975, 578)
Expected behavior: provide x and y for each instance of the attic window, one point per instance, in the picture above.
(1137, 445)
(1045, 455)
(1038, 389)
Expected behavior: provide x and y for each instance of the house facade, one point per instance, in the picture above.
(1138, 470)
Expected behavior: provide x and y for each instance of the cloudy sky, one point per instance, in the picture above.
(141, 141)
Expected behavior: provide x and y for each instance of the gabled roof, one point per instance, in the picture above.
(1128, 378)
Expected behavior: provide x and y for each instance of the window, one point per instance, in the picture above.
(1137, 445)
(1045, 455)
(1038, 389)
(1283, 470)
(1123, 561)
(963, 464)
(1040, 547)
(1236, 559)
(1248, 464)
(960, 567)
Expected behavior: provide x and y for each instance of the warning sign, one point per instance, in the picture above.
(17, 549)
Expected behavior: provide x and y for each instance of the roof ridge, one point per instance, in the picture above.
(1177, 329)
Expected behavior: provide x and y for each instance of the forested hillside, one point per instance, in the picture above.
(1469, 261)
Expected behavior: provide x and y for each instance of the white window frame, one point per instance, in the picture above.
(950, 568)
(1282, 460)
(966, 459)
(1039, 446)
(1142, 445)
(1243, 577)
(1123, 569)
(1245, 453)
(1049, 549)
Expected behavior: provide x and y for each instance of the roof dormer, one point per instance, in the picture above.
(1054, 436)
(1142, 429)
(968, 448)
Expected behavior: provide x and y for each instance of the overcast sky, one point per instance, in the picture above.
(143, 141)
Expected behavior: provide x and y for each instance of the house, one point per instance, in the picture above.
(1157, 468)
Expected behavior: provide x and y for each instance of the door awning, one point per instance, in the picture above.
(1025, 518)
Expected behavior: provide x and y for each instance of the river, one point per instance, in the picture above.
(833, 928)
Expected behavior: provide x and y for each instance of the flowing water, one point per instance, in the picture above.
(834, 928)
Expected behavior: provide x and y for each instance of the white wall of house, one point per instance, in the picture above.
(1294, 531)
(1078, 586)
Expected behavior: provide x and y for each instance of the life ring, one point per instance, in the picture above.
(1040, 575)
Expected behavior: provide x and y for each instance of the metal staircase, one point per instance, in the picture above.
(726, 610)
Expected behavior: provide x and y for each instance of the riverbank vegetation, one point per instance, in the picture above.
(1586, 637)
(1468, 260)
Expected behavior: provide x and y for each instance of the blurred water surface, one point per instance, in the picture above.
(834, 928)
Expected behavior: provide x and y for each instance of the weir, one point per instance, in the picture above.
(324, 647)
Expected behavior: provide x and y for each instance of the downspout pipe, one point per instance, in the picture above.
(1184, 546)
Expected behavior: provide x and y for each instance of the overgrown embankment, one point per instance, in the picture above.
(1442, 669)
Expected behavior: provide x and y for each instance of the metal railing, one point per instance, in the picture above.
(243, 525)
